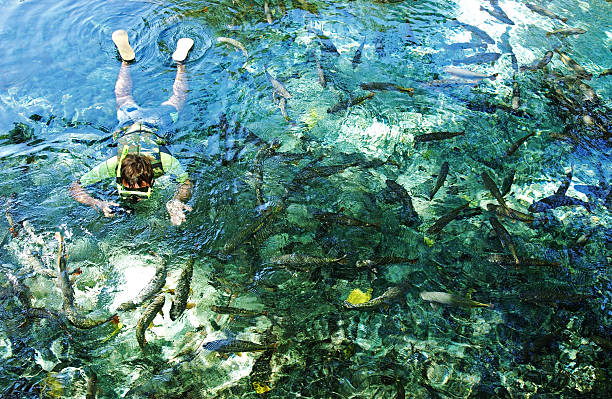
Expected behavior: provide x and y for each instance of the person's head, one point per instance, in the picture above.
(135, 177)
(136, 171)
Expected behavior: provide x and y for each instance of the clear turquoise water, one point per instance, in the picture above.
(60, 64)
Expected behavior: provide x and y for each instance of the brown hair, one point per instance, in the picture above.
(136, 170)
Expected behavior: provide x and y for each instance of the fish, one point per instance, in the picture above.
(566, 32)
(153, 287)
(382, 261)
(482, 35)
(492, 187)
(324, 41)
(342, 219)
(504, 237)
(478, 58)
(147, 317)
(507, 183)
(450, 299)
(446, 219)
(383, 86)
(19, 290)
(267, 12)
(231, 345)
(389, 295)
(556, 297)
(349, 102)
(514, 62)
(357, 57)
(237, 44)
(518, 143)
(465, 45)
(320, 72)
(63, 277)
(559, 198)
(539, 64)
(181, 292)
(422, 138)
(411, 218)
(607, 72)
(301, 261)
(238, 311)
(498, 13)
(250, 230)
(501, 259)
(467, 74)
(511, 213)
(261, 373)
(92, 386)
(282, 105)
(399, 385)
(68, 306)
(440, 181)
(544, 12)
(579, 87)
(309, 173)
(554, 201)
(13, 227)
(515, 102)
(452, 82)
(573, 65)
(278, 86)
(266, 150)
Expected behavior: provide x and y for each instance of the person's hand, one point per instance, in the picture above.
(105, 207)
(176, 211)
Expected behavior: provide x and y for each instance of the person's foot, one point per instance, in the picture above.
(121, 40)
(183, 45)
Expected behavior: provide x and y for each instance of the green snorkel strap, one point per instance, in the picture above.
(124, 153)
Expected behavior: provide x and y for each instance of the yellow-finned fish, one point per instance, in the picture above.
(389, 295)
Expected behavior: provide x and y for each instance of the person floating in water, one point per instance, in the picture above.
(141, 156)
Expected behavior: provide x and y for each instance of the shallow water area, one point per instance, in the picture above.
(314, 176)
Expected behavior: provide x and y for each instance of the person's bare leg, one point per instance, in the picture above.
(179, 88)
(123, 86)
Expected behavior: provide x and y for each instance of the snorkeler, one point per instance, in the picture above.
(141, 154)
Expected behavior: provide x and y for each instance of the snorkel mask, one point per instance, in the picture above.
(132, 194)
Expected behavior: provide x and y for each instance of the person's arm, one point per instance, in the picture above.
(176, 207)
(103, 170)
(79, 194)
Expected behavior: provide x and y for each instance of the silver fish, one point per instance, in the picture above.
(450, 299)
(278, 86)
(544, 12)
(467, 74)
(566, 32)
(237, 44)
